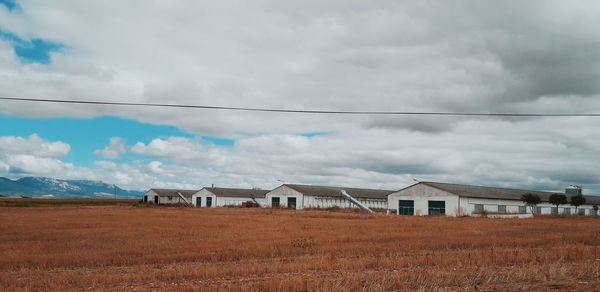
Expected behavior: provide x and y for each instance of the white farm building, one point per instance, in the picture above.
(433, 198)
(306, 196)
(168, 196)
(220, 197)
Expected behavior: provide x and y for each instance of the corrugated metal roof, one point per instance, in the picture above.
(173, 192)
(326, 191)
(238, 193)
(497, 193)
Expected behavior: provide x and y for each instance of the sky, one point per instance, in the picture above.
(458, 56)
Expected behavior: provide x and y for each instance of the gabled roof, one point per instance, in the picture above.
(497, 193)
(173, 192)
(326, 191)
(237, 193)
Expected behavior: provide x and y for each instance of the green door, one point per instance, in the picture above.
(208, 202)
(199, 202)
(437, 208)
(275, 202)
(406, 207)
(291, 202)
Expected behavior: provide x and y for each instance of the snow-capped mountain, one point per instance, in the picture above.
(59, 188)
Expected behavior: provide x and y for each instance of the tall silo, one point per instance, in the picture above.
(573, 190)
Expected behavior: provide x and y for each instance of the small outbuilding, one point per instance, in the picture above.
(221, 197)
(168, 196)
(434, 198)
(306, 196)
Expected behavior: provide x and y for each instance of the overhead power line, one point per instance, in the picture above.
(297, 111)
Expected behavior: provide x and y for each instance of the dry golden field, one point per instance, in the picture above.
(34, 202)
(118, 248)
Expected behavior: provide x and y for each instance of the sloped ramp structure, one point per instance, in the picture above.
(355, 201)
(183, 198)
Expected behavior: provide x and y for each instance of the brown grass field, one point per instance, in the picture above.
(34, 202)
(125, 248)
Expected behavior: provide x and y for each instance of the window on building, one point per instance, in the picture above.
(502, 208)
(208, 202)
(170, 198)
(554, 210)
(581, 211)
(478, 207)
(567, 211)
(437, 207)
(275, 202)
(593, 212)
(406, 207)
(522, 209)
(538, 210)
(198, 201)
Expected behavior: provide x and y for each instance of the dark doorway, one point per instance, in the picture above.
(275, 202)
(406, 207)
(145, 199)
(437, 208)
(156, 200)
(199, 202)
(208, 202)
(291, 203)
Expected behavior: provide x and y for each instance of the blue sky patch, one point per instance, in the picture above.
(313, 134)
(31, 51)
(219, 141)
(87, 135)
(11, 5)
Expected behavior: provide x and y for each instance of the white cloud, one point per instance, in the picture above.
(113, 150)
(155, 167)
(180, 149)
(105, 164)
(33, 145)
(468, 56)
(23, 163)
(4, 167)
(343, 55)
(391, 159)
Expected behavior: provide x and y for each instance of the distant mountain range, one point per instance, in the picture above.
(36, 187)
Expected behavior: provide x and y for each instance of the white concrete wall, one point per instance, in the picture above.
(512, 206)
(302, 201)
(222, 201)
(467, 205)
(150, 194)
(204, 193)
(284, 192)
(326, 202)
(421, 194)
(175, 199)
(237, 201)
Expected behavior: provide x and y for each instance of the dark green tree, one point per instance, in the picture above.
(577, 201)
(531, 200)
(558, 199)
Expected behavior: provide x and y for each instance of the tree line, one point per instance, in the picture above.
(532, 200)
